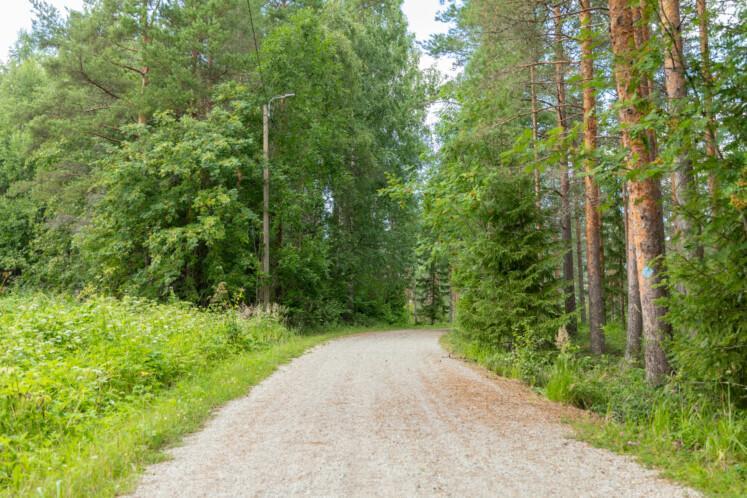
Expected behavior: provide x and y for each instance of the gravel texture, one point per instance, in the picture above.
(391, 414)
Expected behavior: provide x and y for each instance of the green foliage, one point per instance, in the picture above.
(67, 364)
(694, 436)
(712, 348)
(562, 377)
(708, 274)
(173, 216)
(431, 286)
(504, 269)
(130, 157)
(343, 246)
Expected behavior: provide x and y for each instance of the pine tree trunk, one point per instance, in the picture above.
(674, 77)
(705, 69)
(634, 324)
(646, 219)
(641, 34)
(580, 263)
(594, 261)
(565, 190)
(535, 133)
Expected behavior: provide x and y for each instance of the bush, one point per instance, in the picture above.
(66, 364)
(508, 296)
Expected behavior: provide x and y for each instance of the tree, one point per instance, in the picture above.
(707, 77)
(674, 77)
(591, 189)
(646, 219)
(565, 186)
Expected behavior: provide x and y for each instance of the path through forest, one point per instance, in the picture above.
(391, 414)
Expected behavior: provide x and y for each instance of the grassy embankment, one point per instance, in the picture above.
(695, 437)
(91, 391)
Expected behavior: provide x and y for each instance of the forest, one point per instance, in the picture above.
(188, 184)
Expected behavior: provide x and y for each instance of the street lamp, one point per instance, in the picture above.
(265, 289)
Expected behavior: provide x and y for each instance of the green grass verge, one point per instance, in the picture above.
(691, 439)
(108, 462)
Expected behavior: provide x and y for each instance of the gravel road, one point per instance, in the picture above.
(391, 414)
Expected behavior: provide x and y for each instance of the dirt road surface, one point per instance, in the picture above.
(391, 414)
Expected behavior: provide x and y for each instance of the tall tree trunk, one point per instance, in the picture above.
(674, 77)
(705, 69)
(594, 261)
(646, 219)
(580, 261)
(642, 32)
(535, 134)
(565, 190)
(634, 324)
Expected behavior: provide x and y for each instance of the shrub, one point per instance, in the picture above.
(508, 296)
(66, 364)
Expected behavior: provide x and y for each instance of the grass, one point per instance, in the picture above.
(92, 390)
(108, 460)
(694, 437)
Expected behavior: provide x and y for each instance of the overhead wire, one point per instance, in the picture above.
(256, 50)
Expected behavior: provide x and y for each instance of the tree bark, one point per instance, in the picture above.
(674, 78)
(634, 325)
(580, 262)
(594, 261)
(705, 69)
(535, 135)
(641, 34)
(565, 191)
(646, 219)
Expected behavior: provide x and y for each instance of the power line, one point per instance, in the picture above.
(256, 50)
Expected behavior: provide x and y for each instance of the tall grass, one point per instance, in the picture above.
(70, 368)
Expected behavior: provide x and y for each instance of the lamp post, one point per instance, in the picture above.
(265, 289)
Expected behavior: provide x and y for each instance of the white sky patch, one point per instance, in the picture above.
(421, 15)
(17, 15)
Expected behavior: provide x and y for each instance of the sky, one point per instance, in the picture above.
(16, 15)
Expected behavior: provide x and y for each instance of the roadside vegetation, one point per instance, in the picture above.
(579, 211)
(589, 195)
(696, 437)
(91, 388)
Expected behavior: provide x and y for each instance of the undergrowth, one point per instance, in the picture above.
(694, 435)
(91, 389)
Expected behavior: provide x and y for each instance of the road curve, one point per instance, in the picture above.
(391, 414)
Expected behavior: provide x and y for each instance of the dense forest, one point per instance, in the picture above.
(608, 167)
(132, 153)
(578, 211)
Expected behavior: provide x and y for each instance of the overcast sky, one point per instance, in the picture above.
(16, 15)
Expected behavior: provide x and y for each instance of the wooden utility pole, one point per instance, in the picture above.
(265, 288)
